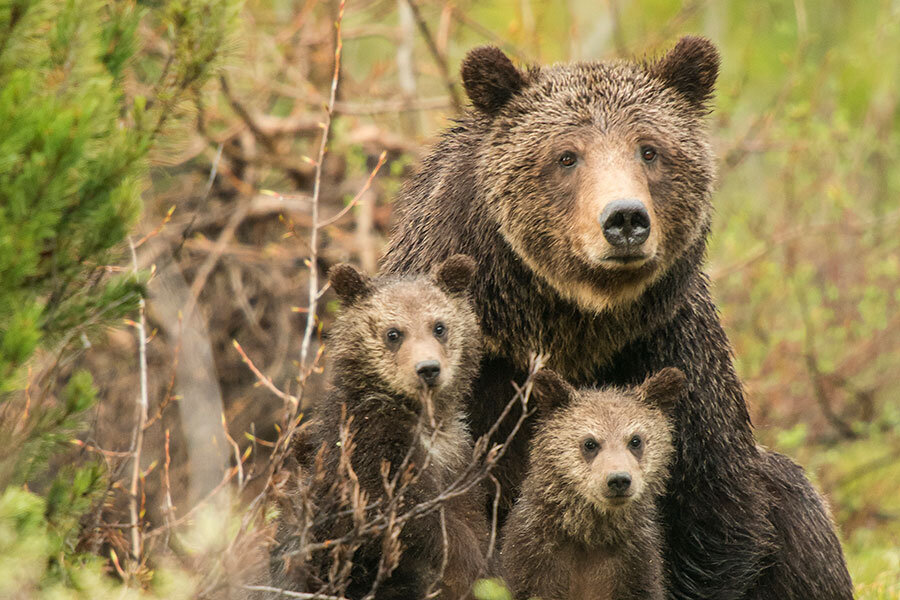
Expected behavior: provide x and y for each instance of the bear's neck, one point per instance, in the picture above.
(578, 340)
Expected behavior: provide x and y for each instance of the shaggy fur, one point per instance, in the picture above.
(377, 395)
(493, 189)
(565, 539)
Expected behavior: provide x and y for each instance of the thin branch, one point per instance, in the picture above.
(439, 58)
(265, 381)
(317, 186)
(137, 440)
(245, 116)
(495, 509)
(214, 170)
(290, 594)
(365, 188)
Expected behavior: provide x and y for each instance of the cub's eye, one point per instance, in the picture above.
(393, 336)
(568, 159)
(648, 153)
(590, 445)
(440, 330)
(635, 443)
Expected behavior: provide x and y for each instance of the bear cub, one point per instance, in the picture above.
(404, 352)
(586, 526)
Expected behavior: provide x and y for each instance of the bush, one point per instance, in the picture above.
(73, 156)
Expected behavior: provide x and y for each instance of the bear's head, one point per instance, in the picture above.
(599, 174)
(406, 335)
(606, 448)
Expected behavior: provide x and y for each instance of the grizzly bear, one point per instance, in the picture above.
(585, 526)
(404, 352)
(583, 192)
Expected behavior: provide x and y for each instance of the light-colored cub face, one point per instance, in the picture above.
(409, 334)
(610, 447)
(417, 336)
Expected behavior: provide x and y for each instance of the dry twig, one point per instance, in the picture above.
(137, 440)
(317, 186)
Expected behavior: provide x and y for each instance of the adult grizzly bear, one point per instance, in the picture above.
(583, 191)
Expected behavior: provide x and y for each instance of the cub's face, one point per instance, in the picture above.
(408, 335)
(610, 447)
(416, 337)
(599, 174)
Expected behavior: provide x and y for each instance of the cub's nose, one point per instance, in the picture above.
(428, 371)
(625, 223)
(618, 482)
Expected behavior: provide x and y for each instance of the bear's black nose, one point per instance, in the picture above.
(625, 223)
(618, 482)
(428, 371)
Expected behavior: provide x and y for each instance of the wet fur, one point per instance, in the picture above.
(560, 545)
(732, 514)
(382, 416)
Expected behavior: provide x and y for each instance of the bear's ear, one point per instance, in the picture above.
(454, 275)
(691, 68)
(550, 391)
(490, 78)
(350, 283)
(663, 389)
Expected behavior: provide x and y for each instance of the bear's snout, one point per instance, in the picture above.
(428, 371)
(625, 223)
(618, 483)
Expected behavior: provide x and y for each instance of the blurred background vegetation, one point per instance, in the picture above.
(210, 113)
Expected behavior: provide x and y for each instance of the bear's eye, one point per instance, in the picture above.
(635, 443)
(590, 446)
(568, 159)
(648, 153)
(440, 330)
(393, 336)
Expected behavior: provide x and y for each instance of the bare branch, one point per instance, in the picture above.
(290, 594)
(439, 58)
(317, 186)
(137, 440)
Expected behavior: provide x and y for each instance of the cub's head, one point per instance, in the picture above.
(407, 335)
(610, 447)
(599, 174)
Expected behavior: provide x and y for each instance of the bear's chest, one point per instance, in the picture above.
(594, 574)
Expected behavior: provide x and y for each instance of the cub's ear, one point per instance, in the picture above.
(350, 283)
(550, 391)
(663, 389)
(490, 78)
(454, 275)
(691, 68)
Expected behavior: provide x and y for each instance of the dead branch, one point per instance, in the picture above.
(137, 440)
(439, 58)
(317, 185)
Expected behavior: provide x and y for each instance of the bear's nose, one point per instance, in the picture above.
(625, 223)
(618, 482)
(428, 371)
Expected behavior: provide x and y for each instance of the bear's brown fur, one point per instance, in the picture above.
(585, 526)
(397, 343)
(522, 184)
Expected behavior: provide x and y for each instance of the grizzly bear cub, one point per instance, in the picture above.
(390, 435)
(585, 526)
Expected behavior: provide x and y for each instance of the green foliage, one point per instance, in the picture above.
(73, 156)
(37, 559)
(491, 589)
(69, 174)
